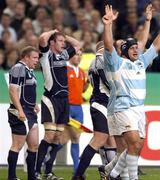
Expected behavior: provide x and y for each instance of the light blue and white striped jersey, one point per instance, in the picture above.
(129, 78)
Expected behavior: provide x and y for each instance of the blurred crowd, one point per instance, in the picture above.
(22, 21)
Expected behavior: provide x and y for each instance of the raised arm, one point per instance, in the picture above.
(156, 43)
(44, 37)
(143, 36)
(74, 42)
(108, 19)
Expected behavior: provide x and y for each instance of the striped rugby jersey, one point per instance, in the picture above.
(129, 78)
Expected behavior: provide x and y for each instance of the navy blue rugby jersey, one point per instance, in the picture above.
(24, 77)
(54, 68)
(98, 80)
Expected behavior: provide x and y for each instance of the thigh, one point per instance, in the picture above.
(99, 117)
(74, 134)
(17, 142)
(33, 138)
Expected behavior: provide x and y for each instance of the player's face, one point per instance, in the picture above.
(133, 52)
(59, 44)
(33, 59)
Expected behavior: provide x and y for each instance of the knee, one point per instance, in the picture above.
(49, 137)
(33, 147)
(75, 139)
(98, 142)
(135, 148)
(16, 148)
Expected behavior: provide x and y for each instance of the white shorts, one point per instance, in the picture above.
(128, 120)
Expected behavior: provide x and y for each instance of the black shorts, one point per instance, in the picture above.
(19, 127)
(99, 117)
(54, 109)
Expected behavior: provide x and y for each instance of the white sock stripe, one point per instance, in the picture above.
(132, 164)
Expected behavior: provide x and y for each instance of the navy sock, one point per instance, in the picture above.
(51, 157)
(31, 159)
(75, 155)
(85, 160)
(42, 151)
(12, 162)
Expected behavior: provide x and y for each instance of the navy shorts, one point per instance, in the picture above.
(19, 127)
(54, 109)
(99, 117)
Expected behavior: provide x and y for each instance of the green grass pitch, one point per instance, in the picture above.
(91, 174)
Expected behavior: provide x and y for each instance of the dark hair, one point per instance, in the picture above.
(27, 51)
(126, 45)
(54, 36)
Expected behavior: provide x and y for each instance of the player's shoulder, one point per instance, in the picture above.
(19, 69)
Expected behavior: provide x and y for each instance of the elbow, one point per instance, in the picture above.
(42, 40)
(78, 47)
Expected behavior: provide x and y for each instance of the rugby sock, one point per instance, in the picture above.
(121, 164)
(111, 152)
(51, 156)
(124, 174)
(110, 166)
(42, 151)
(12, 162)
(75, 155)
(132, 164)
(85, 159)
(103, 155)
(30, 160)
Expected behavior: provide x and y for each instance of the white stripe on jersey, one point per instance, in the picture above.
(132, 74)
(138, 93)
(48, 80)
(103, 88)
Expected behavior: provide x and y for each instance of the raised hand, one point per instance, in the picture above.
(109, 15)
(149, 12)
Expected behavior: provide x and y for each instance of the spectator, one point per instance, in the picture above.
(18, 16)
(11, 58)
(5, 24)
(2, 59)
(96, 22)
(88, 43)
(10, 7)
(41, 15)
